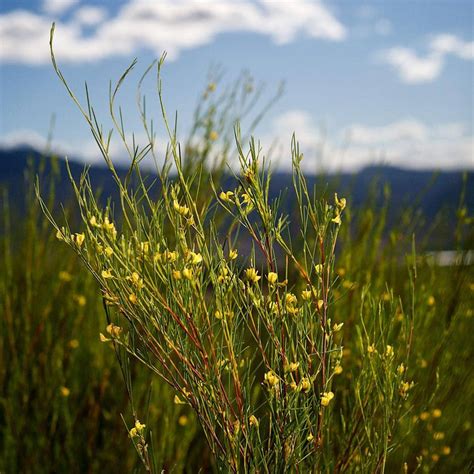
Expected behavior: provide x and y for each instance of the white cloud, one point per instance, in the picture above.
(413, 68)
(407, 143)
(157, 26)
(57, 7)
(90, 16)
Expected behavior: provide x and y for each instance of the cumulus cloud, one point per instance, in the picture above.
(157, 26)
(413, 68)
(407, 143)
(57, 7)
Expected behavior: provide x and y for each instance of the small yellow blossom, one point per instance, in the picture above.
(253, 421)
(401, 369)
(436, 413)
(65, 392)
(272, 278)
(226, 196)
(73, 344)
(181, 210)
(65, 276)
(183, 420)
(109, 227)
(252, 275)
(178, 401)
(271, 379)
(93, 221)
(211, 87)
(109, 251)
(305, 384)
(340, 203)
(187, 273)
(247, 199)
(338, 369)
(371, 349)
(337, 219)
(133, 298)
(218, 314)
(80, 300)
(292, 367)
(136, 280)
(320, 304)
(233, 254)
(176, 274)
(196, 258)
(341, 271)
(337, 327)
(213, 136)
(389, 351)
(103, 338)
(60, 234)
(306, 295)
(137, 429)
(424, 416)
(431, 301)
(310, 437)
(114, 330)
(106, 274)
(438, 436)
(318, 268)
(446, 450)
(79, 239)
(326, 398)
(435, 457)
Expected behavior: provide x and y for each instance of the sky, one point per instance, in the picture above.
(376, 82)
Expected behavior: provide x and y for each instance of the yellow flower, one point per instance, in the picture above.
(401, 369)
(435, 457)
(181, 210)
(446, 450)
(320, 304)
(438, 436)
(272, 278)
(305, 385)
(338, 369)
(133, 298)
(292, 367)
(233, 254)
(65, 276)
(340, 203)
(247, 199)
(183, 420)
(218, 314)
(226, 196)
(337, 219)
(310, 437)
(93, 221)
(73, 344)
(389, 351)
(337, 327)
(178, 401)
(431, 301)
(252, 275)
(213, 136)
(290, 299)
(211, 87)
(371, 349)
(106, 274)
(109, 251)
(114, 330)
(79, 239)
(436, 413)
(65, 392)
(253, 421)
(196, 258)
(318, 268)
(103, 338)
(136, 280)
(326, 398)
(187, 273)
(176, 274)
(80, 300)
(109, 227)
(306, 295)
(424, 416)
(271, 379)
(60, 234)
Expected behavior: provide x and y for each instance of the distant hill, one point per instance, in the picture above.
(430, 191)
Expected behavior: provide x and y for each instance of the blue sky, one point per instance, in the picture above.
(386, 81)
